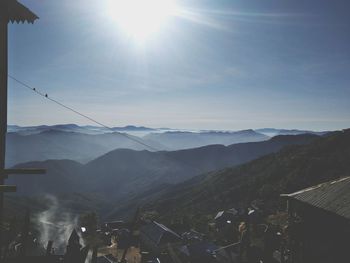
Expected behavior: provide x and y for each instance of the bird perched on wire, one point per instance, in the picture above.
(46, 96)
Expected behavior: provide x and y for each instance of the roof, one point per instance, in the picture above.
(74, 237)
(16, 12)
(333, 196)
(155, 231)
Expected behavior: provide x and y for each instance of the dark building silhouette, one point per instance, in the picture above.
(75, 253)
(319, 223)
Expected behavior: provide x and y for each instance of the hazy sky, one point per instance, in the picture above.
(218, 64)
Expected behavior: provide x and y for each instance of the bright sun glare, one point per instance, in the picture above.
(140, 19)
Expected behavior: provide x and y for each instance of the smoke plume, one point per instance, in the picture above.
(55, 224)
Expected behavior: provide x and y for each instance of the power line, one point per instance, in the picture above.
(46, 96)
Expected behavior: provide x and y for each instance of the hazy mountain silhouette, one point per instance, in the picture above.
(85, 143)
(185, 140)
(291, 169)
(123, 173)
(57, 144)
(87, 129)
(274, 132)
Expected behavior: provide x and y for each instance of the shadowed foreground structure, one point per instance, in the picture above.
(10, 11)
(319, 229)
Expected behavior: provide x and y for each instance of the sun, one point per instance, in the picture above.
(141, 19)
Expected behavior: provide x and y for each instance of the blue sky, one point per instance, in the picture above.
(223, 64)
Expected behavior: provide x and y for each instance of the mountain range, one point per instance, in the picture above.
(140, 130)
(289, 170)
(177, 140)
(85, 143)
(274, 132)
(123, 174)
(87, 129)
(56, 144)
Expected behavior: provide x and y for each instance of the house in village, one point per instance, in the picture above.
(319, 227)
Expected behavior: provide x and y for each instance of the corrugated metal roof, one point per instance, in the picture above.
(16, 12)
(332, 196)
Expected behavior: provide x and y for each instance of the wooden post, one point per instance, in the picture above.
(23, 171)
(3, 102)
(10, 10)
(7, 188)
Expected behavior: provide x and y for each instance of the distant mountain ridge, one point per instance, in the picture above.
(87, 129)
(85, 143)
(185, 140)
(124, 173)
(274, 132)
(57, 144)
(291, 169)
(91, 129)
(40, 143)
